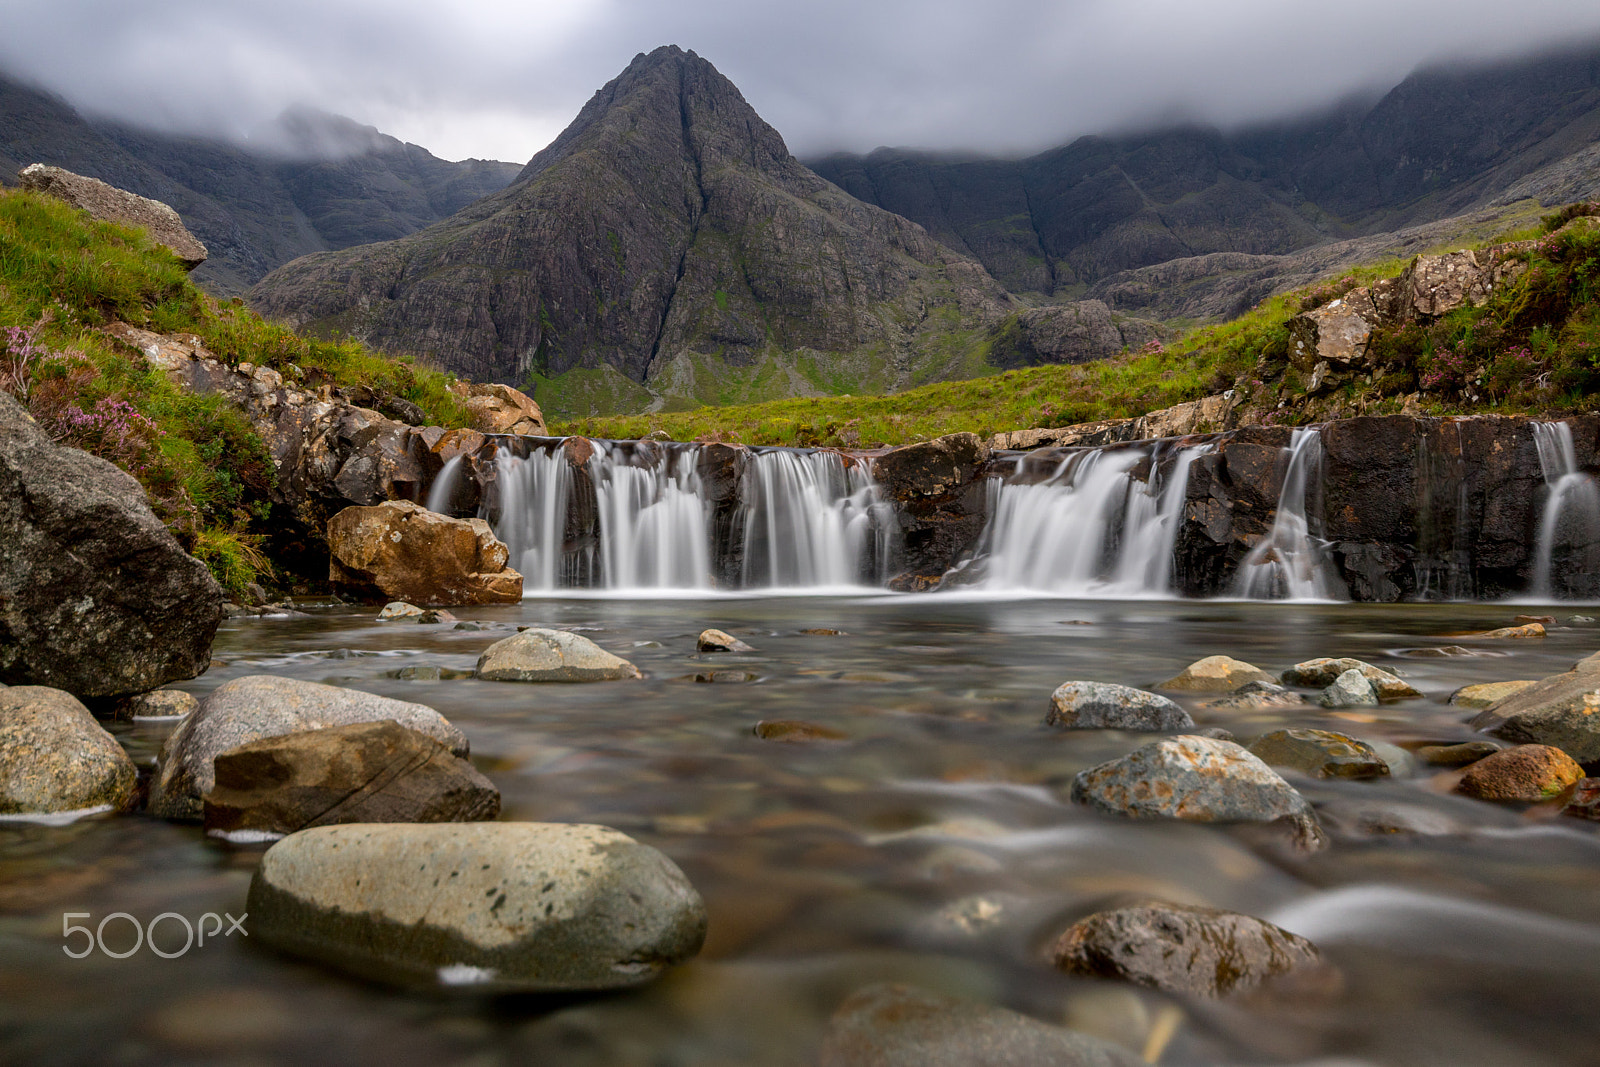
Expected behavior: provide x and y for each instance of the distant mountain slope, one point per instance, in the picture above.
(665, 246)
(327, 182)
(1442, 142)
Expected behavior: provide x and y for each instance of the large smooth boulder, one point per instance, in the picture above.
(363, 772)
(900, 1026)
(110, 204)
(496, 906)
(1527, 774)
(1198, 779)
(54, 756)
(539, 655)
(940, 494)
(398, 550)
(1562, 710)
(96, 595)
(1105, 706)
(1488, 694)
(258, 706)
(1181, 948)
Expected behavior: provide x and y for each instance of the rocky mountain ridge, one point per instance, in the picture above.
(317, 182)
(1443, 142)
(666, 241)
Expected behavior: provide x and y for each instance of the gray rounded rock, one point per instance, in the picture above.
(261, 705)
(54, 756)
(537, 655)
(1350, 690)
(1104, 706)
(899, 1026)
(1182, 949)
(1317, 673)
(1197, 779)
(490, 906)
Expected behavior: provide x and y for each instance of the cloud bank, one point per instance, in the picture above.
(500, 78)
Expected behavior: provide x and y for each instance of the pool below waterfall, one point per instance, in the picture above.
(932, 843)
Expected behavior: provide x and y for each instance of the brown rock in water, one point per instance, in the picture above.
(1216, 674)
(718, 641)
(363, 772)
(1456, 755)
(796, 730)
(1532, 629)
(1542, 620)
(1562, 710)
(1320, 753)
(1487, 694)
(900, 1026)
(1316, 673)
(161, 704)
(110, 204)
(400, 551)
(1585, 802)
(1181, 949)
(1528, 773)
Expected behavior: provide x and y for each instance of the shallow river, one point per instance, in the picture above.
(931, 845)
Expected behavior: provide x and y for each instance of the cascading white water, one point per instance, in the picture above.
(654, 523)
(1090, 527)
(1571, 517)
(444, 486)
(811, 520)
(1289, 563)
(534, 494)
(805, 519)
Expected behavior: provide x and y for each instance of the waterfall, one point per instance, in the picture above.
(811, 520)
(1289, 563)
(641, 516)
(1089, 527)
(444, 487)
(534, 494)
(1571, 518)
(654, 522)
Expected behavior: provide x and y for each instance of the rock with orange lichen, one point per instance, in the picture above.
(1198, 779)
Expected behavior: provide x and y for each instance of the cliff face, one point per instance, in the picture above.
(666, 238)
(1442, 142)
(326, 183)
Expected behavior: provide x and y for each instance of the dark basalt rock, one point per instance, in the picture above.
(939, 495)
(96, 595)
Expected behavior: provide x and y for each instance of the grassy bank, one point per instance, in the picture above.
(63, 277)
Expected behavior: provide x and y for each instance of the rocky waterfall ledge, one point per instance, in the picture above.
(1385, 508)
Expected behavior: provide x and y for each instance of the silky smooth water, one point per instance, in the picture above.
(933, 846)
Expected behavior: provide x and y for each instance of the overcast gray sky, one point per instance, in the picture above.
(500, 78)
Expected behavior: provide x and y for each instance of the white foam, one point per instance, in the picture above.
(245, 837)
(459, 974)
(55, 818)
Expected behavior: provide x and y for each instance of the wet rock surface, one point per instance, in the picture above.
(718, 641)
(902, 1026)
(1318, 673)
(1487, 694)
(539, 655)
(1562, 710)
(1458, 755)
(398, 550)
(1216, 674)
(1319, 753)
(489, 906)
(1258, 695)
(260, 706)
(1181, 949)
(1350, 690)
(54, 756)
(96, 595)
(1198, 779)
(1104, 706)
(369, 772)
(161, 704)
(1527, 773)
(940, 497)
(1585, 800)
(796, 730)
